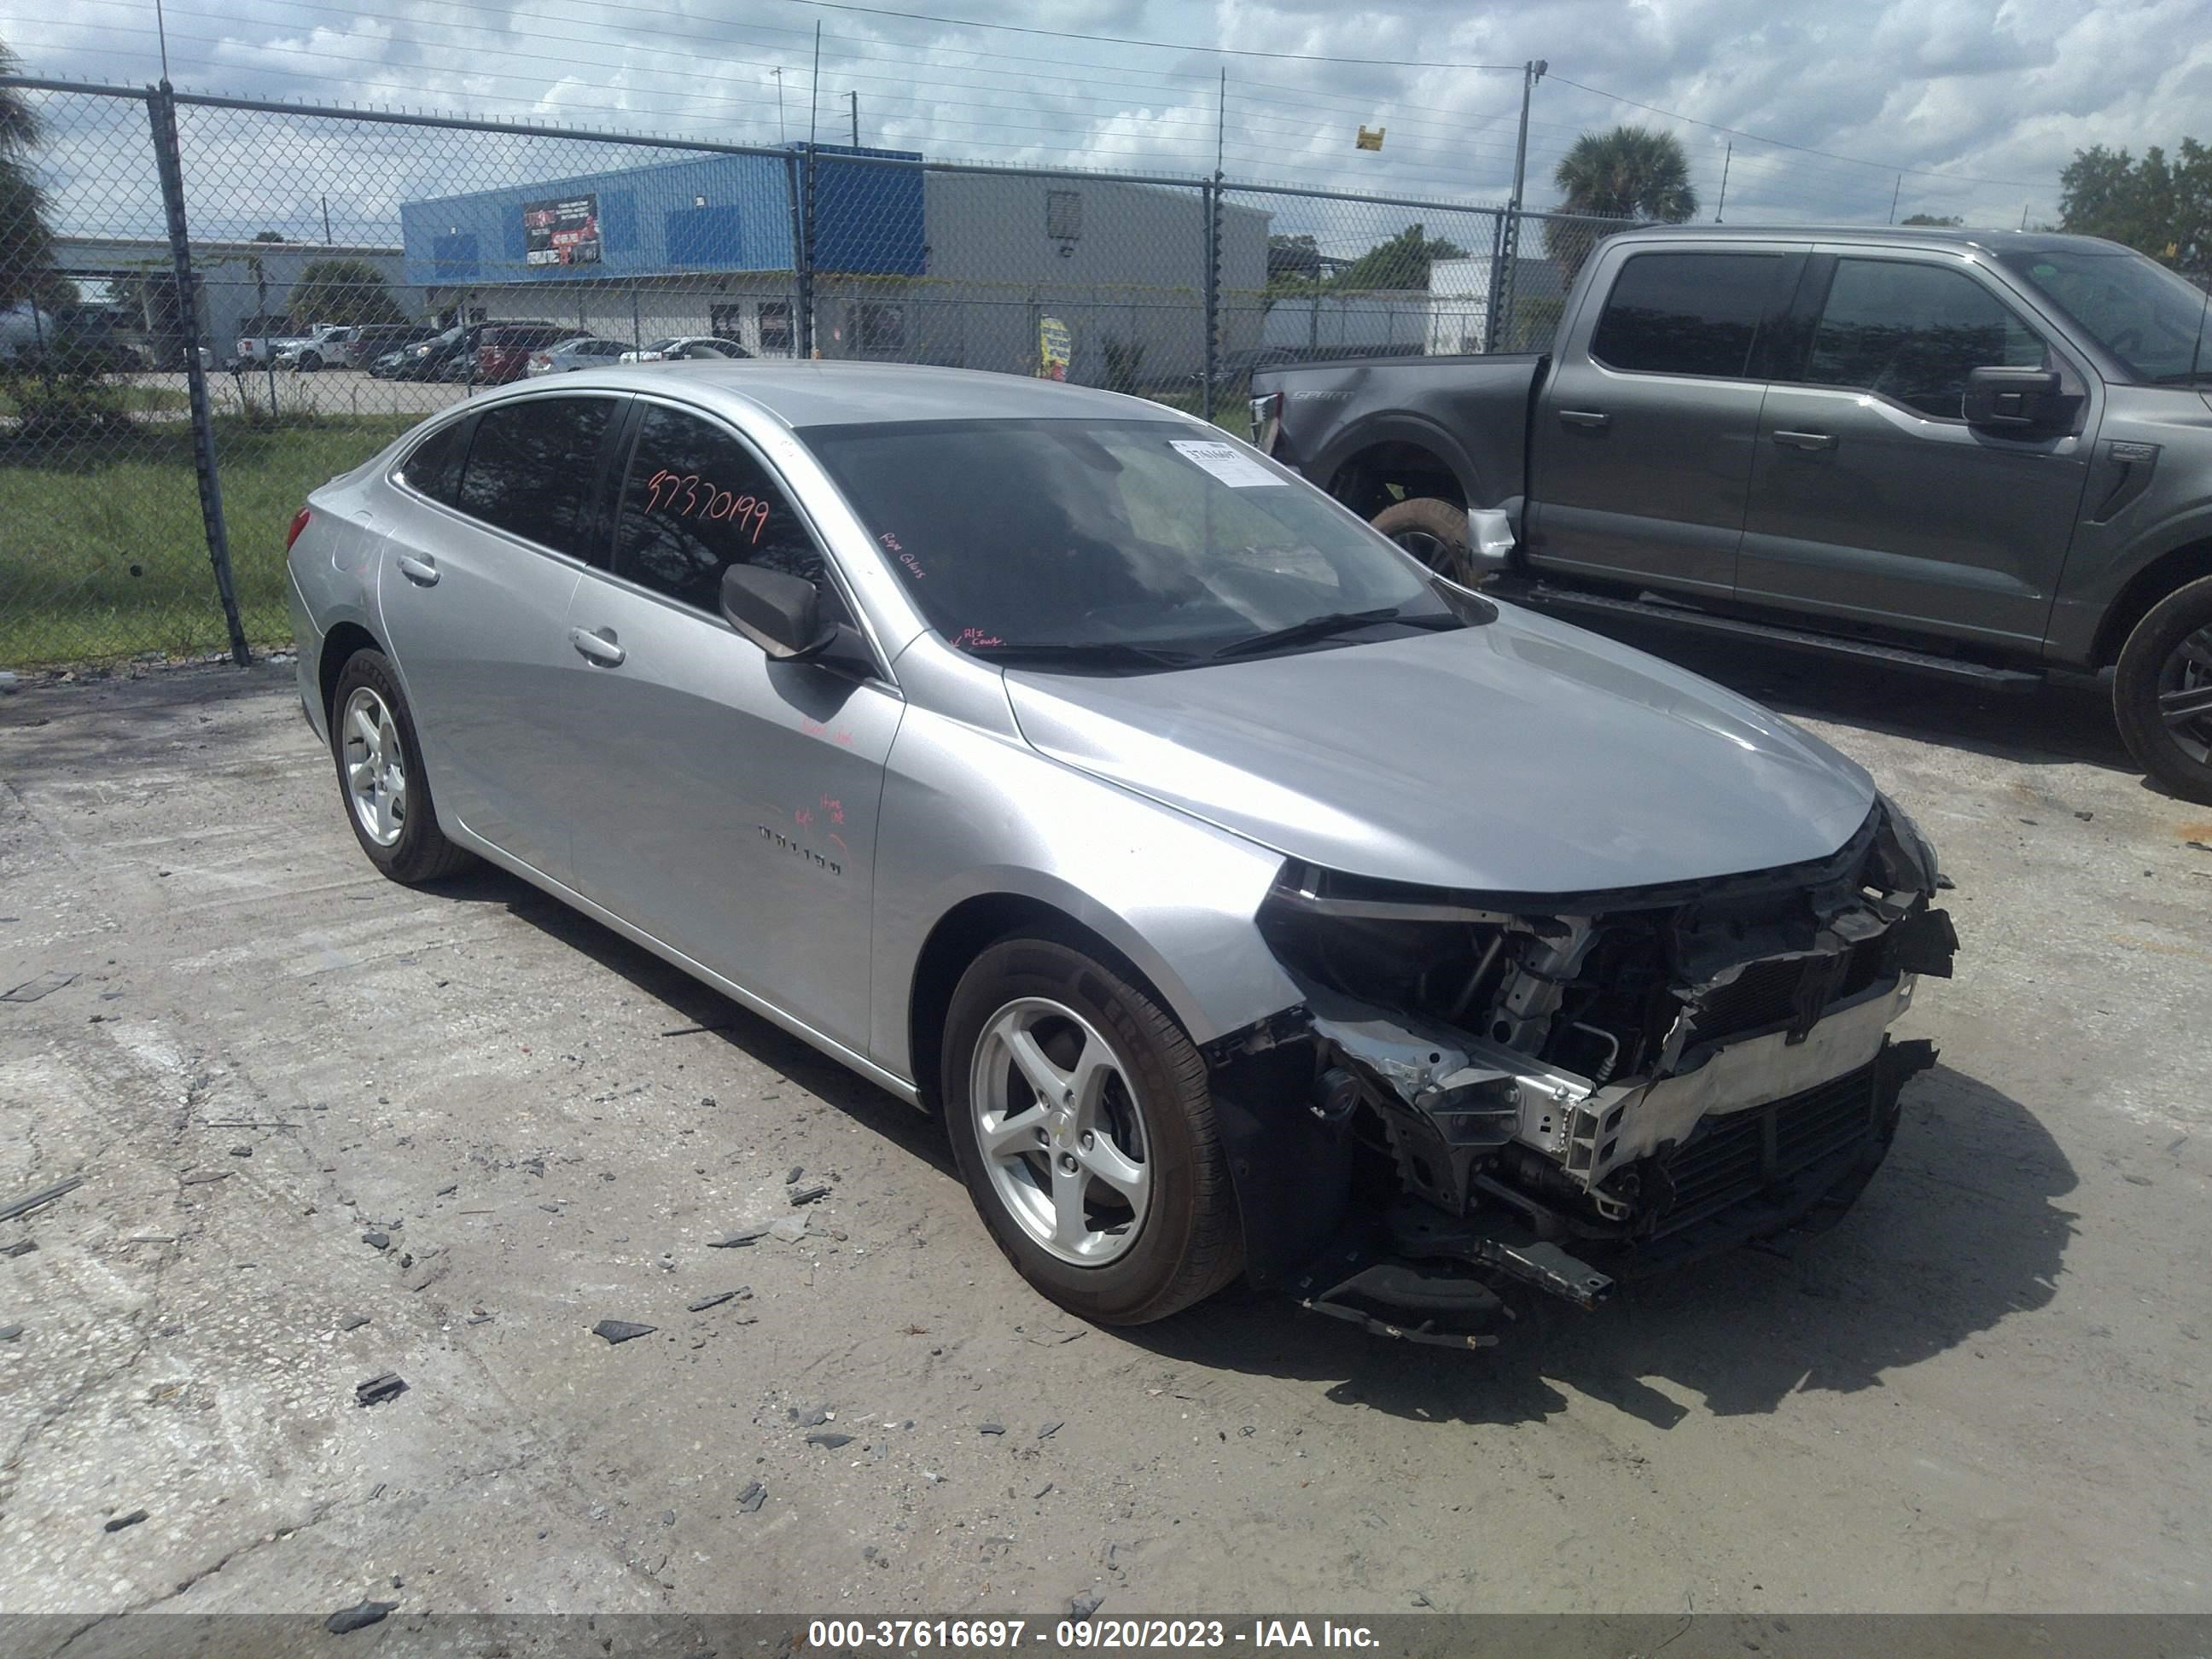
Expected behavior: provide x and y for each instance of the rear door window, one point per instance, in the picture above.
(533, 469)
(1912, 332)
(1686, 313)
(695, 502)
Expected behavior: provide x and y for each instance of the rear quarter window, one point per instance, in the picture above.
(1686, 314)
(433, 467)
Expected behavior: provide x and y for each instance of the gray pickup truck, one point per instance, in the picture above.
(1979, 454)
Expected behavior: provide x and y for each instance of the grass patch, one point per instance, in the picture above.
(102, 552)
(133, 400)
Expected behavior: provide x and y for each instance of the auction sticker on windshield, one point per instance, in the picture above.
(1238, 471)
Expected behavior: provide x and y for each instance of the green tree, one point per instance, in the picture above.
(1401, 262)
(1632, 174)
(269, 236)
(26, 241)
(2160, 206)
(351, 292)
(1293, 263)
(1951, 220)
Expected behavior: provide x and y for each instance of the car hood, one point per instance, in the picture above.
(1522, 756)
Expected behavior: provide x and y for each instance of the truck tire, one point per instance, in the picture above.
(2162, 692)
(1432, 530)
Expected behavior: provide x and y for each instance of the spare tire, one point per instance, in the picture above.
(1434, 531)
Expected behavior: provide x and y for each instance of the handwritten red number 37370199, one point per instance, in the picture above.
(690, 495)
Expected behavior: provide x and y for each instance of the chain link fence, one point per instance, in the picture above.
(222, 302)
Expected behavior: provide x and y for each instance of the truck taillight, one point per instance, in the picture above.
(299, 523)
(1267, 421)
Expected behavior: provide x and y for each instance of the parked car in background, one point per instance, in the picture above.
(260, 335)
(1983, 454)
(306, 357)
(503, 350)
(377, 340)
(585, 351)
(695, 346)
(1244, 897)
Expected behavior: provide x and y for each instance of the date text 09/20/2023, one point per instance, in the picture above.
(1089, 1635)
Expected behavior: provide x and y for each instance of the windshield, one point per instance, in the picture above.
(1099, 540)
(2151, 321)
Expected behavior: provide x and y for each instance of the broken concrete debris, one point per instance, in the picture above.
(1051, 1429)
(796, 1171)
(829, 1439)
(123, 1521)
(1083, 1606)
(752, 1497)
(359, 1616)
(10, 1332)
(377, 1241)
(618, 1331)
(40, 1198)
(353, 1321)
(32, 989)
(386, 1385)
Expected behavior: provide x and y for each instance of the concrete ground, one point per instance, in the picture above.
(329, 1129)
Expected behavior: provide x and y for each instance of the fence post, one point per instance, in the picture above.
(161, 111)
(1211, 192)
(1501, 282)
(802, 208)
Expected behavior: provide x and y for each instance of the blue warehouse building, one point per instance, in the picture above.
(911, 262)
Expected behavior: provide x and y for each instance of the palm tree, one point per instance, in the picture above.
(26, 242)
(1629, 172)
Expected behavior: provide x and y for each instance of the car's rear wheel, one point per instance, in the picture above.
(309, 362)
(2162, 692)
(381, 778)
(1432, 530)
(1078, 1112)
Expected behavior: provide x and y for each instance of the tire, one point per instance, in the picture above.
(309, 363)
(395, 802)
(1122, 1261)
(1432, 530)
(2169, 654)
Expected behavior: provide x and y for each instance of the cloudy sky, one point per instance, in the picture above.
(1966, 107)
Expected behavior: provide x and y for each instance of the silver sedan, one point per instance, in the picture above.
(1246, 899)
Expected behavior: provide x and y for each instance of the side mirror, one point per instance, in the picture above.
(780, 613)
(2005, 399)
(1489, 544)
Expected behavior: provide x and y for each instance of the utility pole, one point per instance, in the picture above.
(1508, 247)
(856, 97)
(1221, 124)
(1726, 161)
(778, 73)
(1894, 195)
(2023, 216)
(326, 222)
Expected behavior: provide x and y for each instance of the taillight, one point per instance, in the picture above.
(299, 523)
(1267, 421)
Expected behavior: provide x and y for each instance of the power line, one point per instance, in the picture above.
(1163, 45)
(1784, 144)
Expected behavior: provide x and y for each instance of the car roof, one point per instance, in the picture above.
(803, 393)
(1955, 237)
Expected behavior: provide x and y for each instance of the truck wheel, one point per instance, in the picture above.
(2162, 692)
(1434, 531)
(1080, 1118)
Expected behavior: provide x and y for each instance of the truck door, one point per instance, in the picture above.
(1641, 452)
(1871, 498)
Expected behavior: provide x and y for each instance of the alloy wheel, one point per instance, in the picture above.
(376, 765)
(2184, 696)
(1061, 1132)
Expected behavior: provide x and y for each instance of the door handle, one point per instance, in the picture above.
(421, 572)
(1805, 440)
(600, 648)
(1593, 418)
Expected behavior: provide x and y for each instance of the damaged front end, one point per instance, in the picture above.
(1567, 1091)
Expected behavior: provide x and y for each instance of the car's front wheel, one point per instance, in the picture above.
(380, 777)
(1078, 1112)
(2162, 692)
